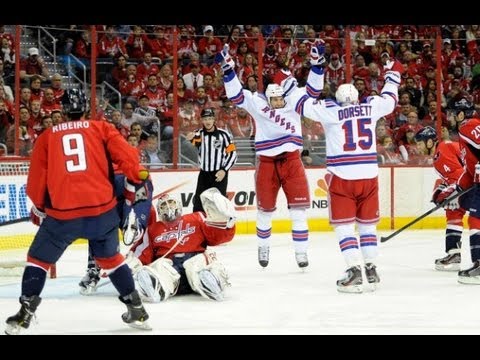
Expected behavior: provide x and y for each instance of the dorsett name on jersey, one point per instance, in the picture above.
(71, 125)
(355, 111)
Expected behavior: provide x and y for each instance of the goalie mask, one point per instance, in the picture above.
(169, 208)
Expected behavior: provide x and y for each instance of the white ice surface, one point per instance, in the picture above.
(412, 298)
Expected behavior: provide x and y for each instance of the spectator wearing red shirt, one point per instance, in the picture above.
(209, 45)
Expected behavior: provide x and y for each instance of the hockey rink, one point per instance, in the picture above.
(412, 297)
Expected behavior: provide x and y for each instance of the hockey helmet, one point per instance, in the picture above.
(425, 134)
(346, 94)
(74, 102)
(169, 208)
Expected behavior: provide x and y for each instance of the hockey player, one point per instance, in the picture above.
(448, 165)
(73, 197)
(470, 150)
(278, 145)
(351, 163)
(173, 257)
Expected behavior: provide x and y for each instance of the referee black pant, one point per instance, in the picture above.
(206, 180)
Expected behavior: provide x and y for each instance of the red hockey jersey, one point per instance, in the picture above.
(70, 171)
(447, 161)
(187, 234)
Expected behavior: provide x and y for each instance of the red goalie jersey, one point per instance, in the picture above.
(194, 234)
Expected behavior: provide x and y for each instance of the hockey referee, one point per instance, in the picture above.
(217, 154)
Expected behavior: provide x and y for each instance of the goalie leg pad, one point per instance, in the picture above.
(220, 211)
(158, 281)
(206, 275)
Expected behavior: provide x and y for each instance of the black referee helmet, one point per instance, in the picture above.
(207, 112)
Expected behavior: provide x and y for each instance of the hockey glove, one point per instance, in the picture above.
(437, 192)
(225, 60)
(394, 65)
(316, 54)
(37, 215)
(134, 193)
(447, 193)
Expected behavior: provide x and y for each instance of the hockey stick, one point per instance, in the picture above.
(446, 201)
(15, 221)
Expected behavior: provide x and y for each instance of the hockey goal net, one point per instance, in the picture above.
(16, 232)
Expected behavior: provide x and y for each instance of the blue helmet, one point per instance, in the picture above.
(426, 133)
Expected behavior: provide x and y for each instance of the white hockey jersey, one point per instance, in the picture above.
(277, 130)
(350, 130)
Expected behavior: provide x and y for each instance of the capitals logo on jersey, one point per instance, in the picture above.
(176, 234)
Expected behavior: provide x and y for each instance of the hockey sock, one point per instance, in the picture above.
(122, 279)
(368, 241)
(299, 230)
(452, 239)
(33, 280)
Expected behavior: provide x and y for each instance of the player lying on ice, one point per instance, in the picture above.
(172, 257)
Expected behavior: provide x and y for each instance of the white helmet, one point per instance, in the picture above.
(273, 90)
(346, 94)
(169, 208)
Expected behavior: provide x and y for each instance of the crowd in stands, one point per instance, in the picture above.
(137, 60)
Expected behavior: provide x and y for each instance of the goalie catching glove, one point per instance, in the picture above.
(220, 211)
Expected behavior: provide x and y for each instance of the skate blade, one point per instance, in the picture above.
(88, 291)
(14, 329)
(353, 289)
(475, 280)
(140, 325)
(452, 267)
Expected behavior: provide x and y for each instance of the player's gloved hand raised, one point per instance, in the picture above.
(224, 59)
(317, 52)
(446, 193)
(37, 215)
(394, 65)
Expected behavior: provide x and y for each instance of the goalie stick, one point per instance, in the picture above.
(414, 221)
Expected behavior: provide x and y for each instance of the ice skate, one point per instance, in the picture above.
(352, 281)
(470, 276)
(88, 284)
(136, 315)
(21, 320)
(302, 259)
(263, 255)
(372, 276)
(451, 262)
(211, 285)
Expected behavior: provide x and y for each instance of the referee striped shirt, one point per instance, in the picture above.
(216, 150)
